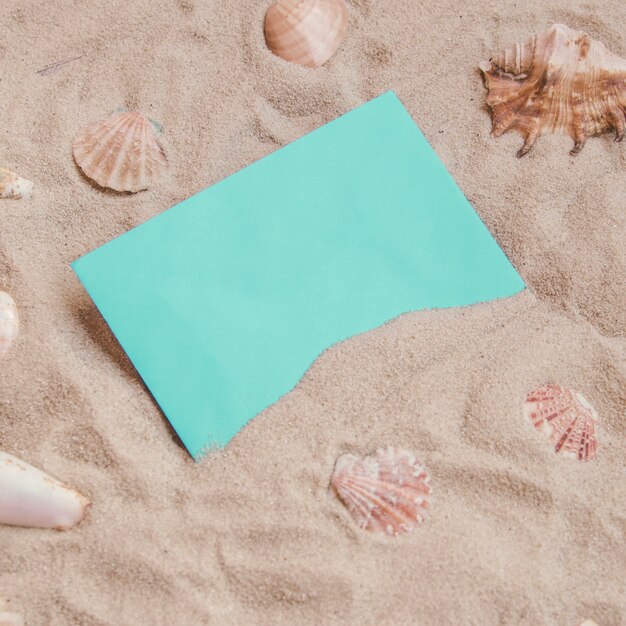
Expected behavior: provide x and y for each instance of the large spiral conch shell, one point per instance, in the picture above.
(122, 152)
(9, 322)
(12, 185)
(559, 82)
(8, 618)
(307, 32)
(28, 497)
(386, 492)
(566, 417)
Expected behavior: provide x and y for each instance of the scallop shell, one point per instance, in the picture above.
(566, 417)
(561, 81)
(9, 322)
(386, 492)
(307, 32)
(14, 186)
(28, 497)
(121, 152)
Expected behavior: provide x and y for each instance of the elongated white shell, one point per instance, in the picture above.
(386, 492)
(121, 152)
(9, 322)
(8, 618)
(28, 497)
(14, 186)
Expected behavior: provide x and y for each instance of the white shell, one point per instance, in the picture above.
(121, 152)
(14, 186)
(9, 322)
(8, 618)
(29, 497)
(386, 492)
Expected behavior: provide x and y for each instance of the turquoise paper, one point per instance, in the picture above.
(224, 301)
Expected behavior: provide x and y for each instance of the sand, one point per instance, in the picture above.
(517, 535)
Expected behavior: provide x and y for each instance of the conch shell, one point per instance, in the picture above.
(307, 32)
(561, 81)
(28, 497)
(9, 322)
(8, 618)
(122, 152)
(14, 186)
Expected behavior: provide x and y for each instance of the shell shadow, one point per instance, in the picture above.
(85, 312)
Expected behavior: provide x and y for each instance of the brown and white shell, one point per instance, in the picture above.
(566, 417)
(12, 185)
(386, 492)
(122, 152)
(9, 322)
(561, 81)
(307, 32)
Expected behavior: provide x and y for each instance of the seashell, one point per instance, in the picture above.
(561, 81)
(14, 186)
(28, 497)
(566, 417)
(122, 152)
(307, 32)
(9, 322)
(386, 492)
(8, 618)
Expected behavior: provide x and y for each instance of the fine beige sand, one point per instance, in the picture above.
(517, 535)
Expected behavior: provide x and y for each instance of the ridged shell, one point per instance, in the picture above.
(307, 32)
(561, 81)
(29, 497)
(122, 152)
(12, 185)
(9, 322)
(386, 492)
(566, 417)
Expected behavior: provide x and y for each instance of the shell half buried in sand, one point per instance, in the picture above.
(561, 81)
(8, 618)
(122, 152)
(29, 497)
(386, 492)
(12, 185)
(566, 418)
(307, 32)
(9, 322)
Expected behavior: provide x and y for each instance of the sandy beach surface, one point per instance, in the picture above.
(517, 534)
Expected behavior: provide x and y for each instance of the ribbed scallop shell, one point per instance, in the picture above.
(561, 81)
(386, 492)
(566, 417)
(9, 322)
(307, 32)
(121, 152)
(12, 185)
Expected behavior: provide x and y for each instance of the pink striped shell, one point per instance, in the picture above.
(386, 492)
(566, 417)
(122, 152)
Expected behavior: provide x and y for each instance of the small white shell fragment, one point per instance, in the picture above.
(29, 497)
(14, 186)
(9, 322)
(8, 618)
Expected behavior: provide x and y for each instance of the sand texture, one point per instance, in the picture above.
(517, 534)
